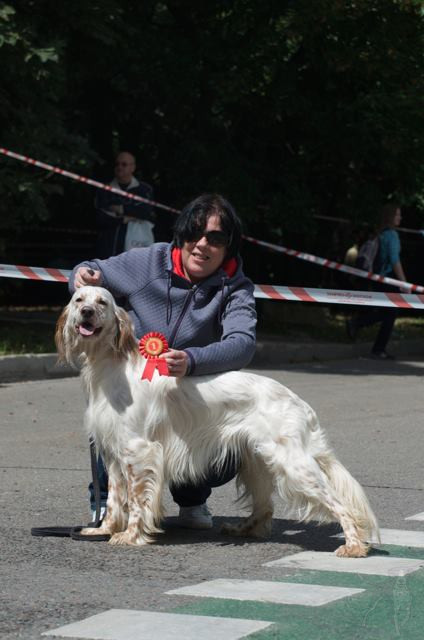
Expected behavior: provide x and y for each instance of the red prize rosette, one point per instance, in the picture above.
(151, 346)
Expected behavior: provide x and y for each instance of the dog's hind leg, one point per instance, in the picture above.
(258, 488)
(144, 469)
(116, 516)
(315, 493)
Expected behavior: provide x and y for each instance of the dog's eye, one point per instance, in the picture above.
(103, 303)
(78, 299)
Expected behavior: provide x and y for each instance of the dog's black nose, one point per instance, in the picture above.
(87, 312)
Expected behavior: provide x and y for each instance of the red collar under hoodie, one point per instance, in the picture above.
(229, 265)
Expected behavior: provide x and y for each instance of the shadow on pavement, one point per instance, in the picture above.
(359, 366)
(309, 536)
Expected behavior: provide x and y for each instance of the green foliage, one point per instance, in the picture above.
(17, 338)
(33, 119)
(289, 108)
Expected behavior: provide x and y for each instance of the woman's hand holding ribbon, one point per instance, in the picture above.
(177, 361)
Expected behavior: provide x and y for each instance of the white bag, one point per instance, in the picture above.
(139, 234)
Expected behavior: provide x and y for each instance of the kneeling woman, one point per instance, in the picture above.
(194, 291)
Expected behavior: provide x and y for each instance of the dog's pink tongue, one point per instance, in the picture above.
(86, 330)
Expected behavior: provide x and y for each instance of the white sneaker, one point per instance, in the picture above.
(102, 513)
(198, 517)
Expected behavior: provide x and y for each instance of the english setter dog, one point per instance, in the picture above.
(172, 429)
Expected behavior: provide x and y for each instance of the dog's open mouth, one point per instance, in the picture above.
(86, 329)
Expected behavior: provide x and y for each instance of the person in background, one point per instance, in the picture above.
(387, 263)
(123, 223)
(194, 291)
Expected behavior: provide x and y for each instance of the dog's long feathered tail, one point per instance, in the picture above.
(351, 495)
(346, 488)
(345, 491)
(341, 484)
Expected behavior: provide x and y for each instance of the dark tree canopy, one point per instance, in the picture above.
(289, 108)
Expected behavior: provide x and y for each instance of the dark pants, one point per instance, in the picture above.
(190, 495)
(386, 316)
(186, 495)
(103, 484)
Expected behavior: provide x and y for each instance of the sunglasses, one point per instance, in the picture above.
(123, 164)
(213, 238)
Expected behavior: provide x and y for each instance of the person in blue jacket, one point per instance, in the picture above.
(194, 291)
(115, 214)
(387, 263)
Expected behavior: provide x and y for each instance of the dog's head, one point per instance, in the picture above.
(92, 323)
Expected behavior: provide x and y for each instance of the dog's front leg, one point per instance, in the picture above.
(144, 469)
(116, 517)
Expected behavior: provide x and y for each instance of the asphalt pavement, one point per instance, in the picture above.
(270, 352)
(372, 413)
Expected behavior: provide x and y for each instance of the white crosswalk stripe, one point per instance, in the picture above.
(262, 591)
(400, 537)
(126, 624)
(326, 561)
(417, 516)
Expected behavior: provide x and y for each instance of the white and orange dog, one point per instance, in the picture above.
(171, 430)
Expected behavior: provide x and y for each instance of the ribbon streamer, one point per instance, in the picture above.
(151, 346)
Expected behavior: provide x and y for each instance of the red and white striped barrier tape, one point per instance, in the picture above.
(78, 178)
(294, 294)
(346, 221)
(34, 273)
(418, 231)
(339, 296)
(331, 264)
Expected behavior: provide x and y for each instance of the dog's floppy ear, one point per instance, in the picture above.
(125, 339)
(59, 335)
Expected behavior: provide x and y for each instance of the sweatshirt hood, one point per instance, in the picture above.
(229, 271)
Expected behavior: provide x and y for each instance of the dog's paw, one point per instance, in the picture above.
(239, 529)
(253, 529)
(121, 538)
(230, 529)
(358, 550)
(94, 531)
(129, 539)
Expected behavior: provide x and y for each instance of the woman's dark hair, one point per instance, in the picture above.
(194, 217)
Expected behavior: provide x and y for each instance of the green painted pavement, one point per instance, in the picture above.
(391, 608)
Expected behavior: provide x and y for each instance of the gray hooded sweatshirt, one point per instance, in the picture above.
(213, 321)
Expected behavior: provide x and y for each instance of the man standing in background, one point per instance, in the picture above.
(123, 223)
